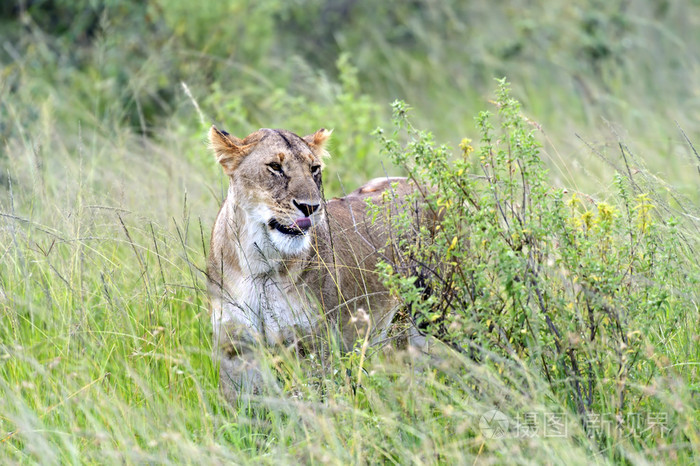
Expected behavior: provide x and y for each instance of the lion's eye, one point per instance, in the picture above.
(315, 170)
(275, 167)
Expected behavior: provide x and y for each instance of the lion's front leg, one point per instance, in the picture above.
(239, 374)
(236, 350)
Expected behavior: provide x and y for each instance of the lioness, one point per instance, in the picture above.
(282, 260)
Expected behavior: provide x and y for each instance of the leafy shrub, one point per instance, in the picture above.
(519, 270)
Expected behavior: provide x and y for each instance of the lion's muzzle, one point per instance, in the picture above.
(298, 228)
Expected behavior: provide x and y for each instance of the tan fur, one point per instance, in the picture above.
(267, 286)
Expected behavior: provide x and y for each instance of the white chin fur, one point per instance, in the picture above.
(289, 245)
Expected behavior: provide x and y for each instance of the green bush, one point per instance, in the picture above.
(572, 288)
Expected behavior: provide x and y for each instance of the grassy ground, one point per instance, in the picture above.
(107, 197)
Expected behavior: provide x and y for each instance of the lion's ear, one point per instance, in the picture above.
(317, 141)
(229, 150)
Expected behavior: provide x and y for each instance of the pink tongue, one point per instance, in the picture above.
(303, 223)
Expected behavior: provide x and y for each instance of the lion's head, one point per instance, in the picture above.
(276, 180)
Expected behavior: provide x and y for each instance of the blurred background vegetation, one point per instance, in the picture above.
(107, 195)
(597, 69)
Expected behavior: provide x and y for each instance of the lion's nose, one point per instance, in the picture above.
(306, 209)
